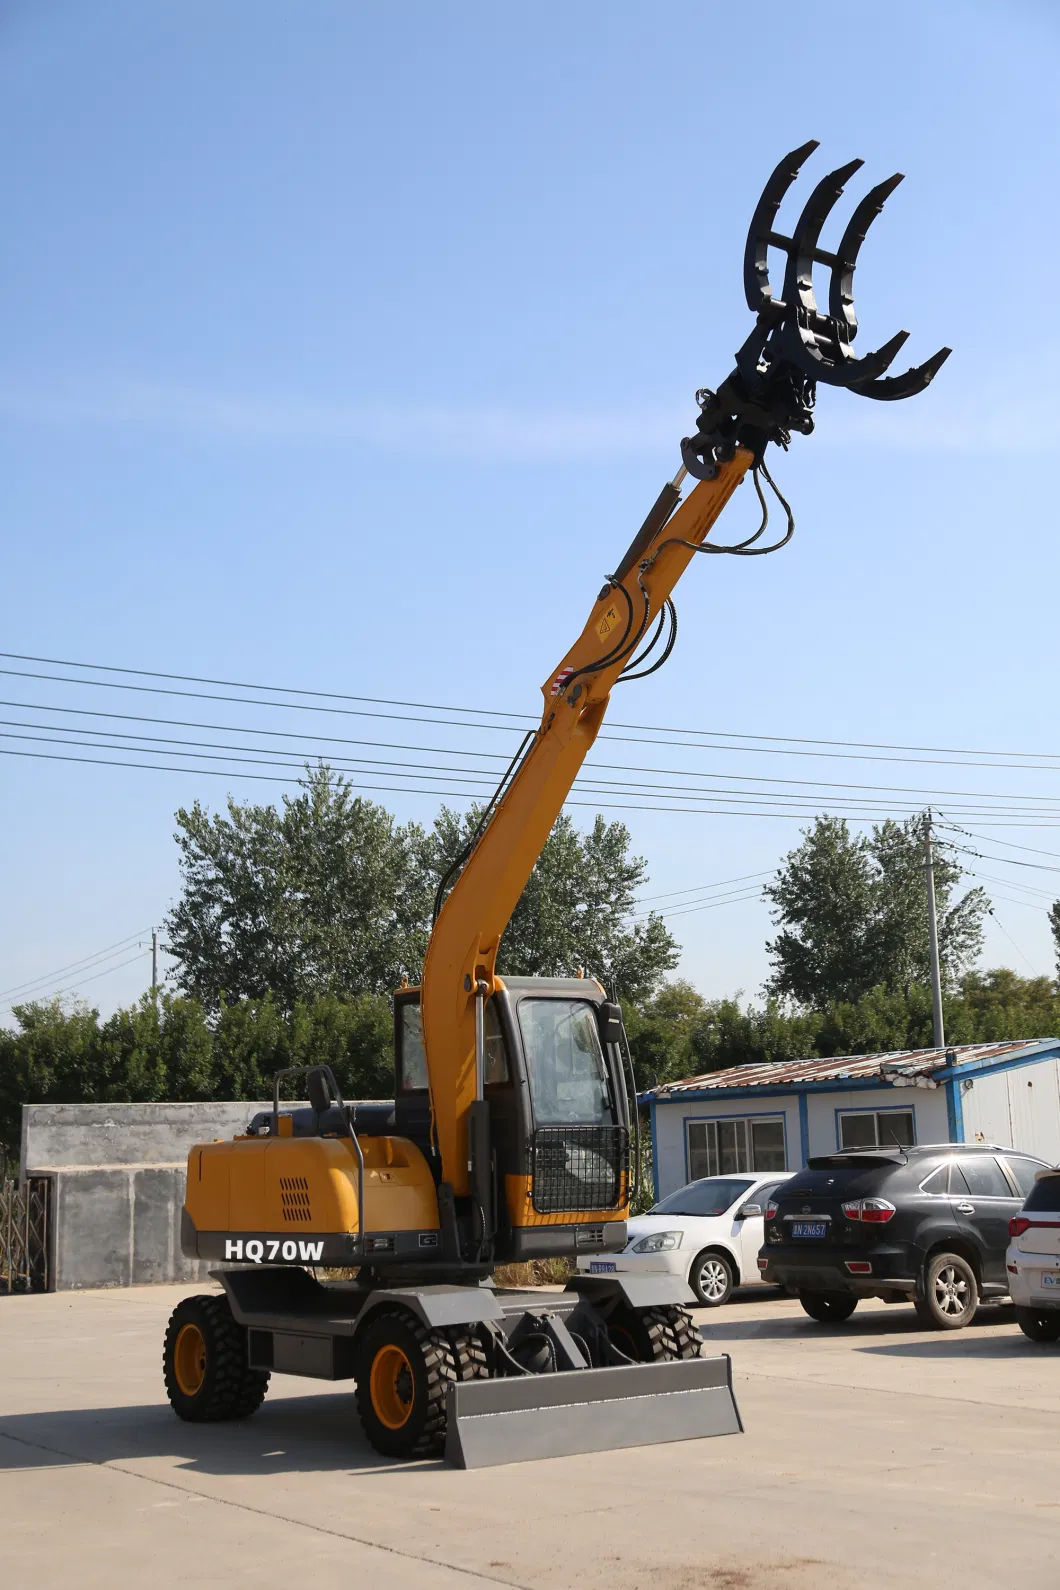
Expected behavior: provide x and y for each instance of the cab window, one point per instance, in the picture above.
(413, 1058)
(564, 1062)
(496, 1053)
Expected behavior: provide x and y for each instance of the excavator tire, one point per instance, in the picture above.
(687, 1341)
(204, 1362)
(403, 1373)
(469, 1355)
(652, 1335)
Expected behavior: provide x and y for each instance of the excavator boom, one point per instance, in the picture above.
(462, 955)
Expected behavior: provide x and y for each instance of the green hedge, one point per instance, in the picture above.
(173, 1051)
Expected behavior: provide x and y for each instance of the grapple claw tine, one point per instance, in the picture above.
(841, 286)
(756, 286)
(902, 386)
(873, 365)
(795, 344)
(798, 278)
(835, 363)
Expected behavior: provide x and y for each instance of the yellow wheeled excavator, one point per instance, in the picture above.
(514, 1116)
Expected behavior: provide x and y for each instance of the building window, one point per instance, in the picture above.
(877, 1129)
(727, 1148)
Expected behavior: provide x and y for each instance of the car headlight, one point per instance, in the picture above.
(658, 1242)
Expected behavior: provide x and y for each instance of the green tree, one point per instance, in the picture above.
(898, 946)
(679, 1034)
(321, 896)
(852, 914)
(577, 909)
(1054, 924)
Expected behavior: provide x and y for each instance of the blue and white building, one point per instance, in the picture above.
(777, 1115)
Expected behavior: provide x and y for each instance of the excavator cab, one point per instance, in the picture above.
(550, 1138)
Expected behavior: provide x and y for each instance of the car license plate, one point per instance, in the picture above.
(809, 1228)
(602, 1267)
(1051, 1278)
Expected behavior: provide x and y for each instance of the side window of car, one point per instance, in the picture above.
(985, 1177)
(1023, 1172)
(938, 1181)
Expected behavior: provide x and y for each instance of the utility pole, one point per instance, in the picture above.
(154, 963)
(933, 937)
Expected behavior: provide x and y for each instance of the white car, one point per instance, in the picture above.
(1033, 1260)
(708, 1232)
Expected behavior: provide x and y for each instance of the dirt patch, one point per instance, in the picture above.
(777, 1573)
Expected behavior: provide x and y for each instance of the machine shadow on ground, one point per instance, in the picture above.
(311, 1434)
(897, 1320)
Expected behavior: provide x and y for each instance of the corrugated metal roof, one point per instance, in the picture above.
(787, 1073)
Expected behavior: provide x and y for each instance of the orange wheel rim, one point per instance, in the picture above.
(393, 1389)
(189, 1360)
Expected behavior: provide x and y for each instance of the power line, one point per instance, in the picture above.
(493, 756)
(596, 804)
(334, 695)
(72, 988)
(1008, 843)
(776, 748)
(1012, 883)
(698, 886)
(775, 805)
(1012, 941)
(72, 966)
(735, 899)
(588, 781)
(1006, 861)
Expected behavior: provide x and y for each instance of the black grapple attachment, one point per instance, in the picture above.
(794, 343)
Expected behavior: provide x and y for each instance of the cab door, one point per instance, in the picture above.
(983, 1203)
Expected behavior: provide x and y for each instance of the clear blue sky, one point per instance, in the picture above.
(344, 346)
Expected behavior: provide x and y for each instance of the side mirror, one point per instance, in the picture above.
(610, 1018)
(747, 1210)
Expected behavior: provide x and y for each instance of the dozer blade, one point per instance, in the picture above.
(512, 1420)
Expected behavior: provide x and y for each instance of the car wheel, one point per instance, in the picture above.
(950, 1295)
(711, 1279)
(1038, 1326)
(828, 1308)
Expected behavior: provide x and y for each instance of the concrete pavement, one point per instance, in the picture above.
(876, 1455)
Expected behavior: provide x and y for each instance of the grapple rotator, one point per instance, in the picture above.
(794, 343)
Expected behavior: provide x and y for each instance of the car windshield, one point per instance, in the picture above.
(564, 1062)
(710, 1197)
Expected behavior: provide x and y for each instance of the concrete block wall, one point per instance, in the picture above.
(117, 1175)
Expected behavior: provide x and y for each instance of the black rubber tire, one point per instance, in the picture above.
(1038, 1324)
(688, 1343)
(948, 1280)
(828, 1308)
(432, 1360)
(653, 1335)
(229, 1389)
(469, 1355)
(711, 1277)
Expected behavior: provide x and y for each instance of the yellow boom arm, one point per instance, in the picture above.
(463, 948)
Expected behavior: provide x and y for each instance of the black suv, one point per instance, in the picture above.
(925, 1225)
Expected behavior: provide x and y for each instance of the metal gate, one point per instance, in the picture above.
(23, 1232)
